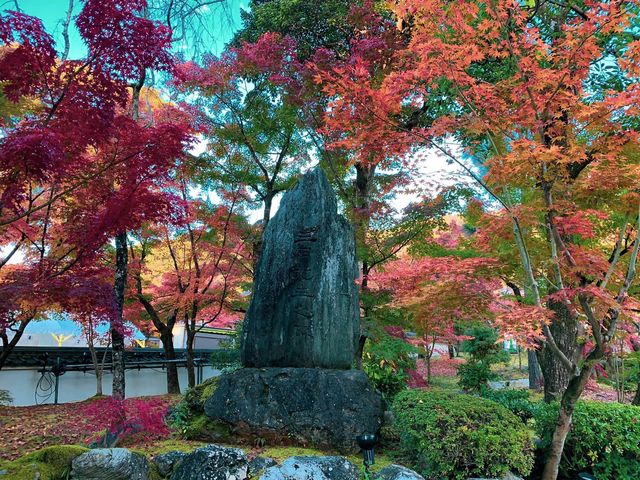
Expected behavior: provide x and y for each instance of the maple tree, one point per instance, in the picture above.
(76, 168)
(548, 136)
(248, 112)
(190, 274)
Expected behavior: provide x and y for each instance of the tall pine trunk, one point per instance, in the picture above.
(117, 324)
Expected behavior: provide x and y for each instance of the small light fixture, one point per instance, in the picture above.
(366, 443)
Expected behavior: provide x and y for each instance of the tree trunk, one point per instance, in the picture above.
(535, 373)
(361, 218)
(96, 368)
(266, 216)
(117, 324)
(191, 368)
(452, 351)
(564, 328)
(173, 383)
(9, 345)
(565, 414)
(636, 397)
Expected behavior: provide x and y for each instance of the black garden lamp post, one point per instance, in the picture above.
(366, 443)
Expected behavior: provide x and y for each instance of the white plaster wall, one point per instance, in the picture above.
(76, 386)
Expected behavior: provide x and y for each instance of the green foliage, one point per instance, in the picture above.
(51, 463)
(385, 361)
(226, 360)
(483, 346)
(517, 401)
(455, 436)
(5, 397)
(474, 376)
(484, 351)
(310, 23)
(188, 417)
(604, 439)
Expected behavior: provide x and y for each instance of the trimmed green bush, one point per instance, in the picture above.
(516, 401)
(50, 463)
(457, 436)
(604, 439)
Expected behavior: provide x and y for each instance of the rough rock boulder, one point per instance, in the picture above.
(110, 464)
(307, 405)
(304, 311)
(212, 462)
(313, 468)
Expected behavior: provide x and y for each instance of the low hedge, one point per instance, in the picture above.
(517, 401)
(457, 436)
(604, 439)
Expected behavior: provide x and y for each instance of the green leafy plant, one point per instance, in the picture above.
(483, 351)
(517, 401)
(604, 439)
(5, 397)
(385, 362)
(475, 437)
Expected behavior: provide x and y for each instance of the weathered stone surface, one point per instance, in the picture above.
(304, 311)
(212, 462)
(258, 464)
(167, 462)
(309, 405)
(397, 472)
(313, 468)
(110, 464)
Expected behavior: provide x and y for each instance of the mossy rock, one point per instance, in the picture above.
(204, 428)
(51, 463)
(195, 397)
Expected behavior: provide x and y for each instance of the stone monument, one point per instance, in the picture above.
(300, 332)
(304, 311)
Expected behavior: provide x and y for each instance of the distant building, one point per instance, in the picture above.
(63, 332)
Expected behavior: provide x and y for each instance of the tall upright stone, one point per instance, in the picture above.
(304, 311)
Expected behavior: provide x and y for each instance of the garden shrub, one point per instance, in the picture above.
(5, 397)
(474, 376)
(604, 439)
(226, 360)
(475, 437)
(50, 463)
(517, 401)
(386, 362)
(484, 351)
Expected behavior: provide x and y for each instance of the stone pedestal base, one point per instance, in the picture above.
(313, 406)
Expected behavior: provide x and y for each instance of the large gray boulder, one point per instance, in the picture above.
(306, 405)
(313, 468)
(397, 472)
(304, 311)
(212, 462)
(110, 464)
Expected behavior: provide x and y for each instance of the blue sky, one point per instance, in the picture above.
(222, 19)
